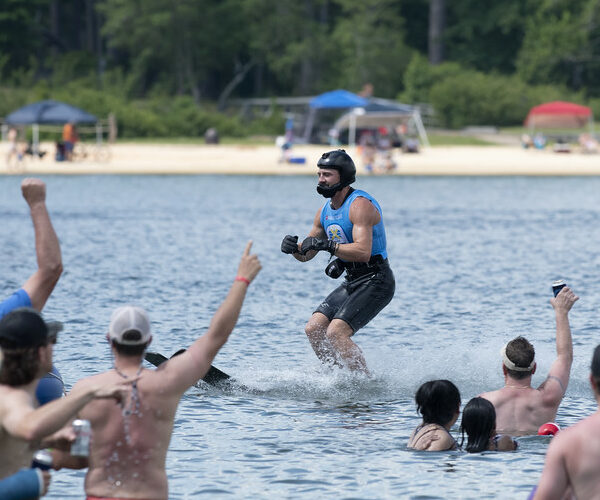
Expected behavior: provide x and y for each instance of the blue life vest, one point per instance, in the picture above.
(338, 227)
(50, 387)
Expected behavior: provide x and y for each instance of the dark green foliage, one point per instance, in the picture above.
(164, 67)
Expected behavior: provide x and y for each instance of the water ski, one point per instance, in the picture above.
(213, 376)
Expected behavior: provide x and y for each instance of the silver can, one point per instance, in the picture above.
(42, 460)
(83, 431)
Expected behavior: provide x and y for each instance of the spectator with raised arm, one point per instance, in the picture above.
(521, 409)
(37, 288)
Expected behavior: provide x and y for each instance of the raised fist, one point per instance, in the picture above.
(289, 244)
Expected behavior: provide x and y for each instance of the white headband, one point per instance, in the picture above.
(511, 366)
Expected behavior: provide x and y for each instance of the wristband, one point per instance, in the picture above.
(241, 278)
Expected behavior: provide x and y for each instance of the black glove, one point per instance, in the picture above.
(312, 243)
(289, 244)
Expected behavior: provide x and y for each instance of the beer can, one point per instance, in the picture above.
(42, 460)
(557, 286)
(83, 431)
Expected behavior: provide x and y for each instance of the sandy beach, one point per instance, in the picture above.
(165, 159)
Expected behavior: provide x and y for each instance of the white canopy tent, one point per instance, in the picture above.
(381, 113)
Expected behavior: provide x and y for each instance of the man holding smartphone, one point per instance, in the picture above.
(521, 409)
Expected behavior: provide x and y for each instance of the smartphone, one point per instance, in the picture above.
(557, 286)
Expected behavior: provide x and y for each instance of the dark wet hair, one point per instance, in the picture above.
(478, 422)
(437, 401)
(19, 366)
(520, 351)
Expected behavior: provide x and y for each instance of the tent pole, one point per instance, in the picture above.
(309, 125)
(352, 131)
(36, 138)
(421, 128)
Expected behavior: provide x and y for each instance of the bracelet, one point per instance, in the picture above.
(241, 278)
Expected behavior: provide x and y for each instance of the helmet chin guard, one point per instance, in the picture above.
(338, 160)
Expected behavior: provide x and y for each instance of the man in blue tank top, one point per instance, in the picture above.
(38, 287)
(350, 227)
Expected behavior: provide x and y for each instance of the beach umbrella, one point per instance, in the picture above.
(558, 114)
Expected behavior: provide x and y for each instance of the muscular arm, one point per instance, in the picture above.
(555, 385)
(40, 284)
(185, 370)
(20, 419)
(363, 216)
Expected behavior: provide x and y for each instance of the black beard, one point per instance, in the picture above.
(328, 191)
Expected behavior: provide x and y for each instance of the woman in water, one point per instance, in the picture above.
(438, 401)
(479, 423)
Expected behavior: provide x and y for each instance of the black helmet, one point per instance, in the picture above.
(338, 160)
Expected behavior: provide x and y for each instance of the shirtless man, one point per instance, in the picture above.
(129, 446)
(27, 343)
(521, 409)
(573, 457)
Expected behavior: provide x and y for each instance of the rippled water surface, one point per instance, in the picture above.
(473, 259)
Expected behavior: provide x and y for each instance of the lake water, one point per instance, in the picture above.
(474, 259)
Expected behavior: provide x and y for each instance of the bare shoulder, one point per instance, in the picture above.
(431, 438)
(506, 443)
(9, 397)
(362, 210)
(86, 382)
(552, 390)
(443, 443)
(491, 396)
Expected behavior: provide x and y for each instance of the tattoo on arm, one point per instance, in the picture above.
(558, 380)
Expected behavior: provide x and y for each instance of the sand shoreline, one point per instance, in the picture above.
(175, 159)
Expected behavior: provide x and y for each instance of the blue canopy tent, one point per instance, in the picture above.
(335, 99)
(48, 113)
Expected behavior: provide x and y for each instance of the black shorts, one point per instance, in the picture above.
(360, 298)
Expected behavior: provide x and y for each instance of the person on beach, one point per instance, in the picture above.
(521, 409)
(573, 456)
(129, 445)
(69, 137)
(27, 344)
(38, 287)
(348, 226)
(438, 401)
(479, 424)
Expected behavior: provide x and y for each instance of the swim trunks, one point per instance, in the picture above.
(364, 292)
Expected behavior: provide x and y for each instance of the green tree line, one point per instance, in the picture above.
(167, 67)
